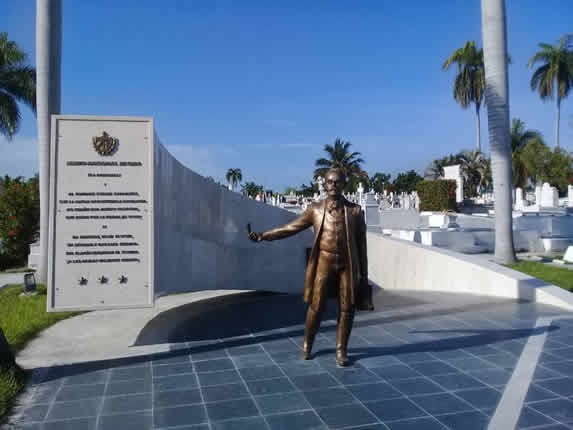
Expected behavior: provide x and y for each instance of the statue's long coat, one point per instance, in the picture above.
(356, 249)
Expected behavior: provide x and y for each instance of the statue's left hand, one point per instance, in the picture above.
(254, 236)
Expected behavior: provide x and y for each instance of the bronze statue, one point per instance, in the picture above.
(337, 266)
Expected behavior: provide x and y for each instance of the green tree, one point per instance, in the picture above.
(308, 190)
(559, 169)
(494, 36)
(474, 169)
(554, 77)
(535, 157)
(406, 181)
(234, 177)
(378, 181)
(19, 218)
(469, 83)
(339, 155)
(519, 138)
(251, 189)
(17, 84)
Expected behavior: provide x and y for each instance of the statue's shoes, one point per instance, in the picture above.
(342, 359)
(306, 355)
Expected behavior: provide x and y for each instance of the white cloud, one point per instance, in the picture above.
(19, 157)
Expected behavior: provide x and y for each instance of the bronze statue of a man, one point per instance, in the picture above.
(337, 266)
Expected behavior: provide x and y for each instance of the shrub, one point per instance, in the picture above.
(19, 219)
(439, 195)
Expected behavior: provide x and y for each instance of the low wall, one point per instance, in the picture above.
(201, 239)
(398, 264)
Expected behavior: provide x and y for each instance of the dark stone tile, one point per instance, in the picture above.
(179, 416)
(481, 398)
(530, 418)
(352, 376)
(395, 409)
(42, 394)
(127, 421)
(231, 409)
(295, 420)
(129, 387)
(314, 382)
(563, 353)
(176, 382)
(214, 365)
(285, 356)
(30, 426)
(209, 355)
(377, 426)
(329, 397)
(472, 420)
(77, 392)
(33, 413)
(218, 378)
(132, 403)
(470, 363)
(376, 391)
(130, 373)
(78, 409)
(301, 368)
(346, 415)
(280, 345)
(425, 423)
(457, 381)
(270, 386)
(252, 360)
(561, 386)
(263, 372)
(96, 377)
(171, 359)
(491, 376)
(431, 368)
(217, 393)
(245, 350)
(393, 372)
(415, 357)
(165, 399)
(443, 403)
(450, 354)
(280, 403)
(73, 424)
(502, 359)
(536, 393)
(413, 386)
(172, 369)
(250, 423)
(379, 361)
(558, 409)
(542, 372)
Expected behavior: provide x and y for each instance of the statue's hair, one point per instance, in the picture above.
(339, 171)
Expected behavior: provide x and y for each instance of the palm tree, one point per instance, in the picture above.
(555, 75)
(436, 169)
(474, 170)
(17, 84)
(339, 155)
(234, 177)
(496, 97)
(469, 83)
(519, 138)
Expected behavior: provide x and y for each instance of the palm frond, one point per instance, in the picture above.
(9, 116)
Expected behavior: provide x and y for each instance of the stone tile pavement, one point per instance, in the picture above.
(426, 362)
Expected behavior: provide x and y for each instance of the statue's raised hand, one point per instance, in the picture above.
(254, 236)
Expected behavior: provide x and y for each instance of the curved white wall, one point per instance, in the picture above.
(399, 264)
(201, 240)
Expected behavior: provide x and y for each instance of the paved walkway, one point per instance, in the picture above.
(11, 278)
(420, 361)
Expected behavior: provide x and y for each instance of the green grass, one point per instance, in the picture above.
(21, 318)
(555, 275)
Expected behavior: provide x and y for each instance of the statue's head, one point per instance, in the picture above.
(334, 182)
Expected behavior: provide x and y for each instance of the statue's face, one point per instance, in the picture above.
(334, 183)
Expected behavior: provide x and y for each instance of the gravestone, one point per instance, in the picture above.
(519, 202)
(454, 172)
(538, 192)
(570, 195)
(547, 196)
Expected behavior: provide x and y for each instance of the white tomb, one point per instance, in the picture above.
(454, 172)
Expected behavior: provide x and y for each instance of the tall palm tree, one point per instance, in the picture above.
(234, 177)
(17, 84)
(519, 137)
(339, 155)
(555, 74)
(469, 83)
(474, 170)
(436, 168)
(494, 35)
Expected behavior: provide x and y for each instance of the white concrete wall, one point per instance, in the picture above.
(398, 264)
(201, 239)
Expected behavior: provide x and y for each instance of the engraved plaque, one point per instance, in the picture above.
(101, 213)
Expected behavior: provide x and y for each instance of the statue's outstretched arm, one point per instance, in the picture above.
(295, 226)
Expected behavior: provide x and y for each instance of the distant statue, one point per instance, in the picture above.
(337, 266)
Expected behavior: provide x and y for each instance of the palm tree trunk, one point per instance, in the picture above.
(478, 127)
(497, 100)
(557, 122)
(48, 58)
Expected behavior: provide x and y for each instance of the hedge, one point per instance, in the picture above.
(439, 195)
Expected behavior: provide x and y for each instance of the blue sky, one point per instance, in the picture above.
(264, 85)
